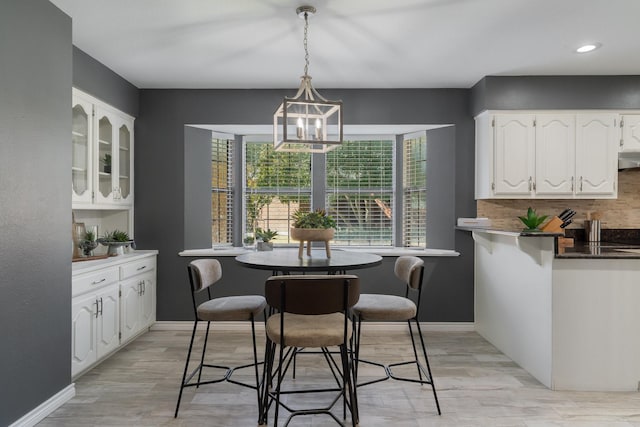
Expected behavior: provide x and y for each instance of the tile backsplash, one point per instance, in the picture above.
(623, 212)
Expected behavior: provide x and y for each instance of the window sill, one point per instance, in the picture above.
(225, 251)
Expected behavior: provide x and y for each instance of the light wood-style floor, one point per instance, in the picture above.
(477, 386)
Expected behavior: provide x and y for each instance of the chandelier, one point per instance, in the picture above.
(308, 122)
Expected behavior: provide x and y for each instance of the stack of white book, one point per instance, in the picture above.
(474, 222)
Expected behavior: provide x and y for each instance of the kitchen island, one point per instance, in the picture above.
(571, 320)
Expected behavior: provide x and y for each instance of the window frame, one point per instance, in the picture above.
(319, 185)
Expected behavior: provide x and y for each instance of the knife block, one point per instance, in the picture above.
(553, 226)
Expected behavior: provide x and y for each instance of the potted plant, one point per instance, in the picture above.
(248, 241)
(264, 238)
(116, 240)
(532, 220)
(312, 226)
(106, 163)
(88, 243)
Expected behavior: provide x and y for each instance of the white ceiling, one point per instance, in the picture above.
(353, 43)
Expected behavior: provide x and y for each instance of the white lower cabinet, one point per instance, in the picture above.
(114, 300)
(137, 296)
(95, 327)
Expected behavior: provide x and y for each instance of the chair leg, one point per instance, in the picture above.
(255, 363)
(347, 386)
(186, 368)
(266, 382)
(279, 384)
(415, 351)
(204, 349)
(358, 361)
(426, 359)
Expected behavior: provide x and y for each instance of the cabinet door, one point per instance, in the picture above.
(108, 321)
(83, 333)
(596, 154)
(131, 291)
(514, 154)
(106, 159)
(81, 167)
(148, 301)
(630, 133)
(555, 154)
(124, 186)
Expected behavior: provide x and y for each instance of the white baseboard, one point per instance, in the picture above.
(380, 326)
(44, 409)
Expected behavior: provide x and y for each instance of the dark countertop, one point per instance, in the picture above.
(602, 250)
(615, 243)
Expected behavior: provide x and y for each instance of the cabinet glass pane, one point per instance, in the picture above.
(124, 163)
(80, 150)
(105, 151)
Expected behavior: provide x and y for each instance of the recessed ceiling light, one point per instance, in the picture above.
(588, 48)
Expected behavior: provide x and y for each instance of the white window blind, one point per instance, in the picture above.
(276, 185)
(221, 190)
(359, 192)
(414, 182)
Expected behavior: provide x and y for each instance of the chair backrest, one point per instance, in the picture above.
(410, 269)
(312, 294)
(204, 273)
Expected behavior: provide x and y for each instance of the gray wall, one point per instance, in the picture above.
(441, 181)
(160, 183)
(94, 78)
(35, 205)
(197, 188)
(556, 92)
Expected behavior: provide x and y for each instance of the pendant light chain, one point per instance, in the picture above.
(306, 49)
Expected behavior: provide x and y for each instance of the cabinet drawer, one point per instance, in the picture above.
(137, 267)
(92, 281)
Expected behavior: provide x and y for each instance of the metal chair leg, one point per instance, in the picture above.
(186, 368)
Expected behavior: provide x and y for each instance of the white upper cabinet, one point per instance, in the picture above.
(555, 154)
(108, 138)
(596, 154)
(552, 155)
(514, 154)
(630, 125)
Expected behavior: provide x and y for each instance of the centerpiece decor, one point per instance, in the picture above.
(116, 240)
(532, 220)
(313, 226)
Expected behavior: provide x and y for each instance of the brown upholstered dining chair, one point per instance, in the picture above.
(312, 311)
(203, 274)
(380, 307)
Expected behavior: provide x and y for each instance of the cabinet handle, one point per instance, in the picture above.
(529, 183)
(99, 281)
(572, 178)
(534, 186)
(144, 287)
(139, 288)
(580, 183)
(141, 268)
(97, 310)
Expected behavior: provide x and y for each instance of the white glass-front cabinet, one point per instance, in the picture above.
(108, 155)
(81, 164)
